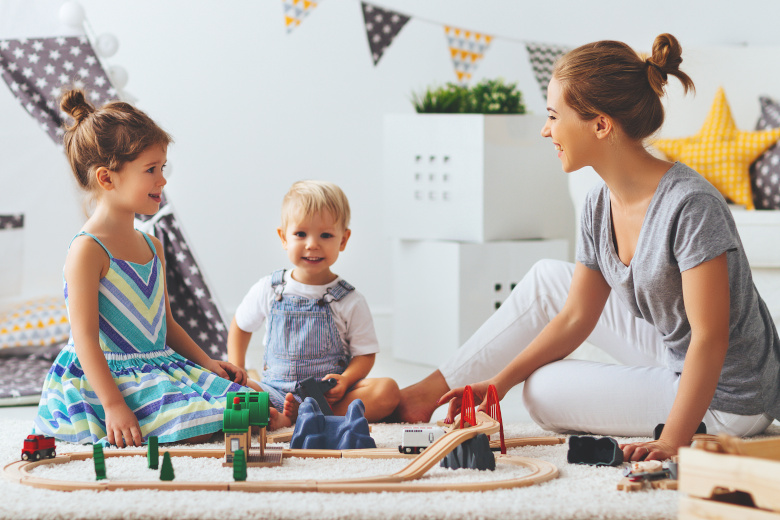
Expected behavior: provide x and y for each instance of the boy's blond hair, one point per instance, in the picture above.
(307, 198)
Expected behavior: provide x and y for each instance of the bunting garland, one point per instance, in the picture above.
(382, 26)
(466, 49)
(542, 57)
(39, 70)
(295, 11)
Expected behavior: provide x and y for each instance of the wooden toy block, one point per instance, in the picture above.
(626, 484)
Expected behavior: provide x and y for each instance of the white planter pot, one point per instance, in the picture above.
(475, 178)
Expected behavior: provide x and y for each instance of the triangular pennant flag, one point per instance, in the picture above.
(382, 26)
(295, 11)
(542, 57)
(39, 70)
(465, 54)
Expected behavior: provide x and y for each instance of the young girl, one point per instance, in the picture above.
(661, 283)
(129, 370)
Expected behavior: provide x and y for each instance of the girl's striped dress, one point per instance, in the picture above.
(172, 397)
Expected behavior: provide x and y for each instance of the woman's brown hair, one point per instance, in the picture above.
(609, 77)
(109, 136)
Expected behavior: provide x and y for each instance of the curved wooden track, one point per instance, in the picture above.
(405, 480)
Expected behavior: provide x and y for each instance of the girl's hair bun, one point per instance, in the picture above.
(75, 104)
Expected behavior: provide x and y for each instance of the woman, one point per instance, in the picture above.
(661, 282)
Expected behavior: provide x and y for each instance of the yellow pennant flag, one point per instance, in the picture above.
(295, 11)
(467, 48)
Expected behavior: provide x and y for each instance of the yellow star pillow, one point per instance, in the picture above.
(721, 153)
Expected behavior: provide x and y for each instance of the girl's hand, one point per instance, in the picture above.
(227, 371)
(455, 397)
(122, 428)
(654, 450)
(335, 394)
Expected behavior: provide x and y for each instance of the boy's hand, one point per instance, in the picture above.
(228, 371)
(336, 393)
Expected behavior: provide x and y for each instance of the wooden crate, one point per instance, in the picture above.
(741, 482)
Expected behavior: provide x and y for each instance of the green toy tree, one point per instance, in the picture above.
(99, 460)
(239, 465)
(153, 453)
(166, 472)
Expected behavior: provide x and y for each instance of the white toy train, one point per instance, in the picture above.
(416, 439)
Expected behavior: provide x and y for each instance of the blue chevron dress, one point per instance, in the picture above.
(172, 397)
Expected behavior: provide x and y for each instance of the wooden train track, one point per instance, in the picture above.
(407, 479)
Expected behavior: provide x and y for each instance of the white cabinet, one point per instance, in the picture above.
(444, 290)
(473, 178)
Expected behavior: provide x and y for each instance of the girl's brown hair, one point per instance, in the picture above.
(608, 77)
(109, 136)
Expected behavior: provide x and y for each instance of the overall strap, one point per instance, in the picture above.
(277, 284)
(96, 239)
(277, 277)
(336, 292)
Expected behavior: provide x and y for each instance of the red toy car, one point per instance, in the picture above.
(37, 447)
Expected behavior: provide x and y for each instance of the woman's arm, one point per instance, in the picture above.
(586, 300)
(707, 302)
(178, 339)
(85, 265)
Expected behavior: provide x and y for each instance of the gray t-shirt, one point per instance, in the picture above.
(687, 223)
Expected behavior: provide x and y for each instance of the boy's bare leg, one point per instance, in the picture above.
(286, 417)
(379, 395)
(418, 401)
(277, 419)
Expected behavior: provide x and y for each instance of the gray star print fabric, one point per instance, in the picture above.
(39, 70)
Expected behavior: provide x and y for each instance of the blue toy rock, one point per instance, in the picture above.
(473, 454)
(316, 431)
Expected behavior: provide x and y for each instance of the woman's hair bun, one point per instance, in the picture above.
(665, 60)
(75, 104)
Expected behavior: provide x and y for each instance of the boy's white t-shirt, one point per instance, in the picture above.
(351, 313)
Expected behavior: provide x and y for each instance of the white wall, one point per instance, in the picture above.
(253, 109)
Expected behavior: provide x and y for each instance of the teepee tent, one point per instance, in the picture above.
(46, 46)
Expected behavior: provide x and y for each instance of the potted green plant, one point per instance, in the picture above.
(470, 165)
(489, 96)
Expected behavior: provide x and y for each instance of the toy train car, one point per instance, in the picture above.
(37, 447)
(416, 439)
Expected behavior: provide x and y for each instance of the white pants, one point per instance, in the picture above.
(583, 396)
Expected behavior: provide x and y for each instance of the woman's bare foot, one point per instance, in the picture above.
(418, 401)
(286, 417)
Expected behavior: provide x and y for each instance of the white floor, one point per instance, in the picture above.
(404, 373)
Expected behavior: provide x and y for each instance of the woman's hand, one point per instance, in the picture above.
(654, 450)
(455, 398)
(227, 371)
(336, 394)
(122, 428)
